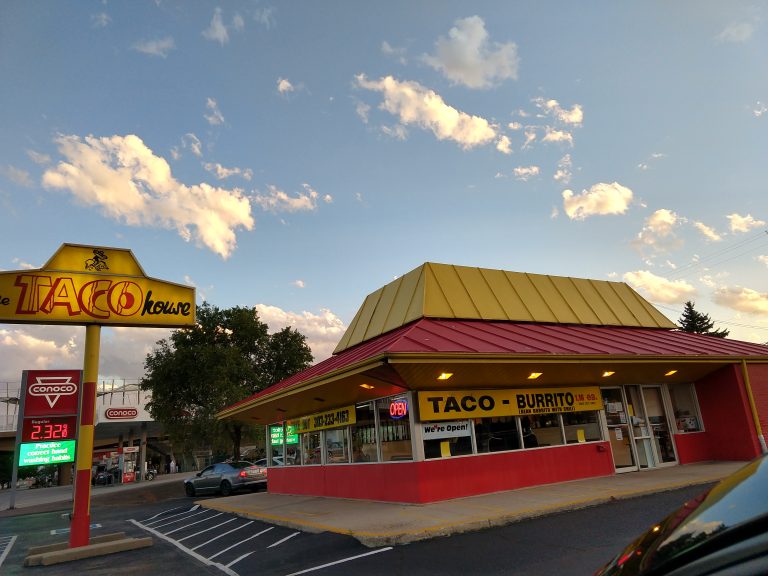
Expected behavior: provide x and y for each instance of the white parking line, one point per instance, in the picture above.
(183, 548)
(221, 535)
(283, 540)
(180, 519)
(241, 542)
(193, 523)
(236, 560)
(340, 561)
(8, 546)
(195, 507)
(147, 521)
(206, 530)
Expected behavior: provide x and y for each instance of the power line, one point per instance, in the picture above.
(728, 322)
(712, 259)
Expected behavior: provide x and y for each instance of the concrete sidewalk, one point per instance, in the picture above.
(386, 523)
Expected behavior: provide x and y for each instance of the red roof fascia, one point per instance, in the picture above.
(481, 337)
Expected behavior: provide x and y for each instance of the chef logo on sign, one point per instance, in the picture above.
(52, 388)
(97, 263)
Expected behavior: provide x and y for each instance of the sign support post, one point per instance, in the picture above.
(79, 534)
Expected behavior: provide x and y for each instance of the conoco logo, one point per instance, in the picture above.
(121, 413)
(52, 387)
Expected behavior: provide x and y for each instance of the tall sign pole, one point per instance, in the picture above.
(79, 534)
(92, 286)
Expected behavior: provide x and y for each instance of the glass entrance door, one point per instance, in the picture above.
(641, 431)
(619, 431)
(659, 425)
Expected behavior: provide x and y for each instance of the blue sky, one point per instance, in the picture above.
(297, 156)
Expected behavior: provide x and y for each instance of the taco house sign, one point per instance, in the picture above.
(94, 285)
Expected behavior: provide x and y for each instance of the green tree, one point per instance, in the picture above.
(227, 356)
(698, 323)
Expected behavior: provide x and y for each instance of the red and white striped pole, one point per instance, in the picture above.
(79, 534)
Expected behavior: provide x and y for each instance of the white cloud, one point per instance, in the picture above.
(275, 200)
(524, 173)
(299, 283)
(660, 289)
(504, 145)
(398, 131)
(600, 199)
(237, 22)
(328, 199)
(530, 137)
(744, 223)
(415, 104)
(101, 20)
(24, 265)
(192, 142)
(709, 233)
(363, 110)
(155, 47)
(17, 175)
(515, 126)
(574, 116)
(284, 86)
(742, 299)
(557, 136)
(265, 17)
(37, 347)
(736, 32)
(763, 259)
(221, 172)
(217, 31)
(323, 331)
(466, 56)
(658, 233)
(39, 158)
(216, 117)
(759, 109)
(388, 50)
(123, 177)
(564, 167)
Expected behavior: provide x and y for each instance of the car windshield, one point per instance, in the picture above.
(732, 504)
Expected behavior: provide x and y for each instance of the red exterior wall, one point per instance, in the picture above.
(443, 479)
(729, 428)
(758, 379)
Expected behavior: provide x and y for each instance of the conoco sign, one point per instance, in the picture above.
(121, 413)
(51, 392)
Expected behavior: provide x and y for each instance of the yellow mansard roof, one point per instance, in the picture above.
(469, 293)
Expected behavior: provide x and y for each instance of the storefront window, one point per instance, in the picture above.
(337, 446)
(395, 428)
(581, 427)
(364, 434)
(311, 448)
(542, 430)
(497, 434)
(684, 404)
(445, 439)
(276, 439)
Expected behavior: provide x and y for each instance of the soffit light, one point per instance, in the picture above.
(445, 375)
(670, 373)
(534, 375)
(366, 386)
(608, 373)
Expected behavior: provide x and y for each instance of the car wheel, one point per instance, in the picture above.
(189, 489)
(226, 488)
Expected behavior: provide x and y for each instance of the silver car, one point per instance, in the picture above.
(226, 477)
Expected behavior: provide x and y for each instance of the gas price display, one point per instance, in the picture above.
(45, 429)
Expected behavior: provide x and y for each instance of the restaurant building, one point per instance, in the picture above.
(453, 381)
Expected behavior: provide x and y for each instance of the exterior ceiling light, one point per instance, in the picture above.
(366, 386)
(534, 375)
(445, 375)
(608, 373)
(670, 373)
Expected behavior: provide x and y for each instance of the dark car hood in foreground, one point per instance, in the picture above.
(734, 510)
